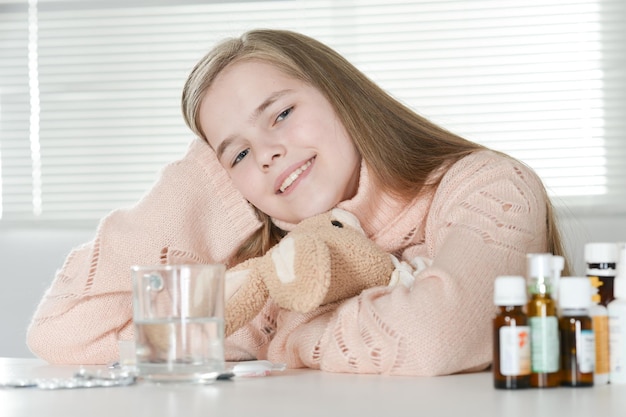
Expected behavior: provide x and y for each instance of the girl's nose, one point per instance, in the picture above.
(267, 155)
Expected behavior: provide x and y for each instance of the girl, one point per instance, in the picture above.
(289, 129)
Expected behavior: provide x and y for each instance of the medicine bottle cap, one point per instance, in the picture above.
(539, 265)
(575, 292)
(509, 290)
(601, 253)
(558, 263)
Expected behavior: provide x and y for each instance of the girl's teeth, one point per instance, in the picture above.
(294, 175)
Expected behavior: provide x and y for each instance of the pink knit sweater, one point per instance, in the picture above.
(488, 212)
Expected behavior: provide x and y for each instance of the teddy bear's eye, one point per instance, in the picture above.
(337, 223)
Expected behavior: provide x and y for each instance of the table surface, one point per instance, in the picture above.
(303, 393)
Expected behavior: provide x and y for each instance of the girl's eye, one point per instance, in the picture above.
(240, 156)
(284, 114)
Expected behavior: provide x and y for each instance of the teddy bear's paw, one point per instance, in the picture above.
(245, 295)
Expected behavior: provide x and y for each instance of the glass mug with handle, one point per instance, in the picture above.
(178, 312)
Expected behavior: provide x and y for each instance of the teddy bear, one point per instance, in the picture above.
(325, 258)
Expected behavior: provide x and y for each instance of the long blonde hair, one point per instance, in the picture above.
(401, 148)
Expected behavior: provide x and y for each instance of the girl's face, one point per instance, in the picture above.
(280, 141)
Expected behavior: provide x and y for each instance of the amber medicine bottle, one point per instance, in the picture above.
(511, 334)
(544, 325)
(601, 259)
(576, 329)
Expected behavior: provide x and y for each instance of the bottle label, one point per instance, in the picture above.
(514, 350)
(601, 331)
(617, 343)
(586, 351)
(544, 344)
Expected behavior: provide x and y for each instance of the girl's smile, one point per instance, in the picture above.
(290, 179)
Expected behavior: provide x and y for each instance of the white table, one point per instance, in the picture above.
(302, 393)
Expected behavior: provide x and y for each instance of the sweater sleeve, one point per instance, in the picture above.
(192, 214)
(485, 216)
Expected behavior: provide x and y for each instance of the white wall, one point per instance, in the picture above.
(582, 228)
(30, 257)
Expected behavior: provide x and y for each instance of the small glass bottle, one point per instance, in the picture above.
(544, 325)
(617, 324)
(577, 336)
(601, 258)
(511, 334)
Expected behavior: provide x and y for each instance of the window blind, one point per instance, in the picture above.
(90, 89)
